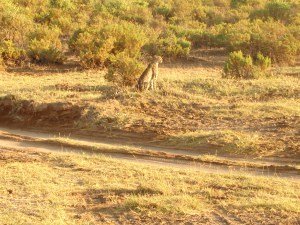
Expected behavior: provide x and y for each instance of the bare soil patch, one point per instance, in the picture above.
(29, 113)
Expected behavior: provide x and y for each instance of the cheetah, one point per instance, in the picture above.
(149, 77)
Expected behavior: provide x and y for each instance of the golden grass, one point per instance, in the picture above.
(40, 188)
(228, 140)
(190, 100)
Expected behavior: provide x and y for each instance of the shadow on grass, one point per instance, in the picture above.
(106, 205)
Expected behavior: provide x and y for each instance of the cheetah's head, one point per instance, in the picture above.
(158, 59)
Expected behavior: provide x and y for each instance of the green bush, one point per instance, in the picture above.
(130, 38)
(242, 67)
(164, 11)
(124, 70)
(274, 40)
(237, 3)
(95, 47)
(263, 62)
(271, 38)
(9, 52)
(2, 65)
(169, 45)
(92, 46)
(279, 10)
(45, 45)
(239, 66)
(208, 37)
(15, 22)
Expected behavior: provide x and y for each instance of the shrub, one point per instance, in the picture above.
(279, 10)
(15, 22)
(208, 37)
(124, 70)
(130, 38)
(237, 3)
(239, 66)
(95, 47)
(243, 67)
(271, 38)
(274, 40)
(264, 63)
(2, 65)
(45, 45)
(92, 47)
(9, 52)
(164, 11)
(137, 13)
(169, 45)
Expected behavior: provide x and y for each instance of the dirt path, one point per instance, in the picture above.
(24, 143)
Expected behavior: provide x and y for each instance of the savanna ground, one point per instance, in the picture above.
(194, 109)
(51, 188)
(208, 118)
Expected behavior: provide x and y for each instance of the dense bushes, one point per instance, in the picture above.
(278, 10)
(168, 44)
(15, 22)
(92, 47)
(243, 67)
(97, 46)
(2, 66)
(9, 52)
(45, 45)
(271, 38)
(97, 31)
(274, 40)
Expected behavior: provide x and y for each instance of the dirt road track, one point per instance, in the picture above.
(147, 160)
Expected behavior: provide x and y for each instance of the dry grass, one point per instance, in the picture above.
(191, 101)
(40, 188)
